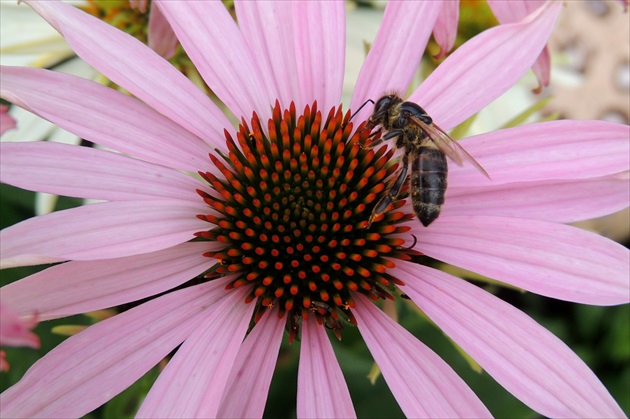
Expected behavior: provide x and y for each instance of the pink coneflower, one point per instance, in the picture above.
(279, 220)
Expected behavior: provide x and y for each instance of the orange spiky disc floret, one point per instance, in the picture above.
(293, 209)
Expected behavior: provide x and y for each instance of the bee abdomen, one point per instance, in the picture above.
(428, 184)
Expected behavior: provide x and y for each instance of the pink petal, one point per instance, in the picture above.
(91, 173)
(551, 379)
(423, 384)
(545, 151)
(445, 30)
(320, 50)
(563, 201)
(89, 368)
(192, 383)
(84, 286)
(514, 11)
(484, 68)
(6, 121)
(161, 37)
(550, 259)
(273, 46)
(322, 391)
(136, 67)
(103, 116)
(141, 5)
(542, 69)
(15, 331)
(396, 52)
(214, 43)
(302, 53)
(101, 231)
(253, 369)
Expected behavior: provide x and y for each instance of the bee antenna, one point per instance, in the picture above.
(360, 107)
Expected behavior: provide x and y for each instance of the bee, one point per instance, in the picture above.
(425, 146)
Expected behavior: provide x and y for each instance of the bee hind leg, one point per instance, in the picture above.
(382, 205)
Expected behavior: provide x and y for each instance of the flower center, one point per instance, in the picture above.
(293, 211)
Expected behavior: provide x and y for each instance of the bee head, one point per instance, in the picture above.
(382, 109)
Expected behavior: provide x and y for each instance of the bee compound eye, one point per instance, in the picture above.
(382, 103)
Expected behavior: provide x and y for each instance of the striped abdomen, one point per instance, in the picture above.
(428, 183)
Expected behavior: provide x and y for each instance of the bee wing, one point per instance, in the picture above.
(448, 145)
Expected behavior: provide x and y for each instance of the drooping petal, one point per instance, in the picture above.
(140, 5)
(100, 231)
(545, 151)
(15, 331)
(215, 44)
(6, 120)
(160, 35)
(103, 116)
(542, 69)
(396, 52)
(156, 82)
(525, 358)
(253, 368)
(85, 172)
(514, 11)
(562, 201)
(550, 259)
(70, 380)
(84, 286)
(484, 68)
(445, 30)
(193, 382)
(320, 50)
(322, 391)
(422, 383)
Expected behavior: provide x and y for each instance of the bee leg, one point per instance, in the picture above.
(393, 192)
(386, 137)
(405, 195)
(375, 143)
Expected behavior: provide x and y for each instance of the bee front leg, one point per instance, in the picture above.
(388, 136)
(371, 145)
(382, 205)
